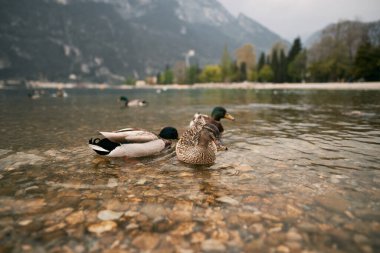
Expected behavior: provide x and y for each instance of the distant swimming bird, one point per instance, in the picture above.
(60, 93)
(133, 102)
(197, 145)
(132, 142)
(34, 94)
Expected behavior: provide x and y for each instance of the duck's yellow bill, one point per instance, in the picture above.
(229, 116)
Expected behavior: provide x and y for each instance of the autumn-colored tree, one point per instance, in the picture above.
(246, 56)
(179, 72)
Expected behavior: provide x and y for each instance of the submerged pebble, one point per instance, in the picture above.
(109, 215)
(101, 227)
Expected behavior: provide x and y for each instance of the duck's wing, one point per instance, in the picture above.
(130, 135)
(139, 149)
(137, 102)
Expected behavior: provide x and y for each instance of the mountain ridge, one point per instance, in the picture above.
(109, 40)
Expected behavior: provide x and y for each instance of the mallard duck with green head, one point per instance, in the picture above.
(217, 114)
(133, 102)
(132, 142)
(197, 145)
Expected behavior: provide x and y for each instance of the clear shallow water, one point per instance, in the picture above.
(301, 174)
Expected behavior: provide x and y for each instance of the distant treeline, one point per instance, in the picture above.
(345, 52)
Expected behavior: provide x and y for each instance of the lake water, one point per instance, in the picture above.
(301, 174)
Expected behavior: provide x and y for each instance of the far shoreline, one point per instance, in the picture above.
(243, 85)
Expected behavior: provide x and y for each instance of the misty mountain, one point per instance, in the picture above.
(109, 40)
(371, 29)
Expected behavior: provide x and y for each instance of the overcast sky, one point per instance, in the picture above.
(292, 18)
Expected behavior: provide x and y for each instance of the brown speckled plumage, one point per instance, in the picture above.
(197, 144)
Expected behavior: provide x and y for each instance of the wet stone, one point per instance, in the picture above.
(228, 200)
(184, 228)
(153, 211)
(213, 246)
(244, 167)
(59, 214)
(251, 199)
(360, 239)
(180, 216)
(270, 217)
(55, 227)
(220, 234)
(4, 151)
(282, 249)
(146, 241)
(101, 227)
(308, 227)
(293, 235)
(131, 213)
(249, 217)
(197, 237)
(161, 225)
(142, 181)
(19, 159)
(75, 218)
(256, 229)
(24, 222)
(107, 215)
(333, 202)
(112, 183)
(293, 211)
(132, 226)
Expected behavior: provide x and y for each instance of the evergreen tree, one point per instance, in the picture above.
(235, 72)
(294, 50)
(158, 77)
(168, 76)
(192, 74)
(282, 68)
(261, 61)
(297, 68)
(275, 66)
(243, 72)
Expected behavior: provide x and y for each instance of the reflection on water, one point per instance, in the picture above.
(301, 174)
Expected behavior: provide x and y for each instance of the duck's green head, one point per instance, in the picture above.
(221, 113)
(169, 133)
(123, 98)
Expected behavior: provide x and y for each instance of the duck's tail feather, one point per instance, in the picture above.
(102, 146)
